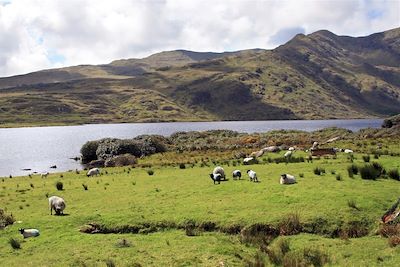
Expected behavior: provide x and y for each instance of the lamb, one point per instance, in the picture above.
(44, 174)
(252, 175)
(57, 204)
(219, 170)
(287, 179)
(348, 151)
(216, 177)
(236, 174)
(29, 232)
(93, 172)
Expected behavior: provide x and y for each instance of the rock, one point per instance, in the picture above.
(121, 160)
(271, 149)
(99, 163)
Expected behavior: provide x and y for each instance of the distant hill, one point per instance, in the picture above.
(315, 76)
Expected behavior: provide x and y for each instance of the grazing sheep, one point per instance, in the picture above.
(314, 146)
(29, 232)
(93, 172)
(348, 151)
(216, 177)
(236, 174)
(287, 179)
(44, 174)
(57, 204)
(249, 160)
(219, 170)
(288, 154)
(252, 175)
(291, 148)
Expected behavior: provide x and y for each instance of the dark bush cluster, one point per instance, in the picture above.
(60, 186)
(352, 170)
(319, 170)
(371, 171)
(394, 174)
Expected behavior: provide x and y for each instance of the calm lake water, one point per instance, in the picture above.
(38, 148)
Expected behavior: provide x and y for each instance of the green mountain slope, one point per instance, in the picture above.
(315, 76)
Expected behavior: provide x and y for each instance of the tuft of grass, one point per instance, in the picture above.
(150, 172)
(290, 224)
(366, 158)
(301, 175)
(352, 170)
(110, 263)
(319, 170)
(59, 186)
(182, 166)
(338, 177)
(394, 174)
(123, 243)
(352, 204)
(370, 172)
(15, 244)
(85, 187)
(394, 241)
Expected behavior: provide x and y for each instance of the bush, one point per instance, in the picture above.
(150, 172)
(366, 158)
(5, 219)
(352, 169)
(338, 177)
(371, 171)
(352, 204)
(88, 151)
(60, 186)
(15, 244)
(290, 225)
(319, 171)
(182, 166)
(394, 174)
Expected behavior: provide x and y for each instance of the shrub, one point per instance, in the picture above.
(353, 168)
(123, 243)
(110, 263)
(182, 166)
(366, 158)
(88, 151)
(5, 219)
(338, 177)
(150, 172)
(85, 186)
(394, 174)
(371, 171)
(15, 244)
(60, 186)
(319, 171)
(301, 175)
(315, 257)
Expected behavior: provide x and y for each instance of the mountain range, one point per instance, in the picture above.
(316, 76)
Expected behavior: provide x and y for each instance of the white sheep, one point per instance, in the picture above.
(249, 160)
(216, 177)
(219, 170)
(44, 174)
(348, 151)
(287, 179)
(236, 174)
(291, 148)
(93, 172)
(288, 154)
(252, 175)
(57, 204)
(29, 232)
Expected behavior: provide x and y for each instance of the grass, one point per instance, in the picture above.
(181, 218)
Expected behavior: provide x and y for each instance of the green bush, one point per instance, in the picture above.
(5, 219)
(369, 172)
(15, 244)
(150, 172)
(88, 151)
(319, 170)
(366, 158)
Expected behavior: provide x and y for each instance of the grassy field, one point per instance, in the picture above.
(185, 220)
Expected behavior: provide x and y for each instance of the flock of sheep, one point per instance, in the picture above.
(218, 175)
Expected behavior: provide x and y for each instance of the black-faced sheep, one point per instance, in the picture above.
(216, 177)
(93, 172)
(29, 232)
(252, 175)
(219, 170)
(236, 174)
(287, 179)
(57, 204)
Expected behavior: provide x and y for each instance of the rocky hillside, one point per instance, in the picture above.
(315, 76)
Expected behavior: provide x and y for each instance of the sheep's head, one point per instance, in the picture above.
(58, 210)
(247, 171)
(283, 176)
(21, 230)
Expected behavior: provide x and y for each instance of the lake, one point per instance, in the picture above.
(38, 148)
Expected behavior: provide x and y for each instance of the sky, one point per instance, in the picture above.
(43, 34)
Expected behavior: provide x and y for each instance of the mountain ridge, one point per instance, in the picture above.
(316, 76)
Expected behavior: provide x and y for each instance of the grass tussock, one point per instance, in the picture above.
(60, 186)
(290, 224)
(394, 174)
(5, 219)
(14, 243)
(319, 171)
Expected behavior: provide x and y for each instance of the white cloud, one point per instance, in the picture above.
(38, 34)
